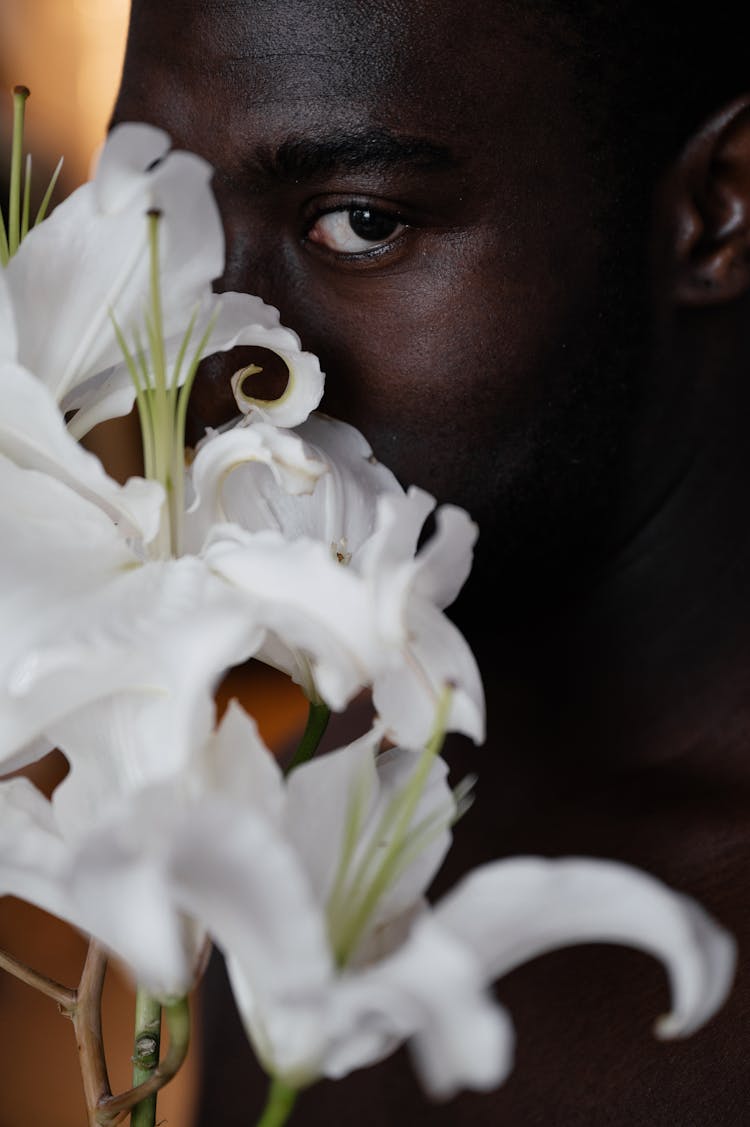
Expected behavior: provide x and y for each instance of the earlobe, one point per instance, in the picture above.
(708, 196)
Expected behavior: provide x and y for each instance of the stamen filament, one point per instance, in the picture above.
(161, 401)
(144, 415)
(177, 504)
(20, 94)
(4, 249)
(398, 815)
(48, 194)
(352, 829)
(26, 198)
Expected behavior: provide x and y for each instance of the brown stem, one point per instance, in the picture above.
(84, 1007)
(65, 998)
(87, 1021)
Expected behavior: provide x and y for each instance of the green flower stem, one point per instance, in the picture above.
(20, 94)
(279, 1105)
(318, 716)
(146, 1054)
(112, 1109)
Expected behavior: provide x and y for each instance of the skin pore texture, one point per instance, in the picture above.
(519, 328)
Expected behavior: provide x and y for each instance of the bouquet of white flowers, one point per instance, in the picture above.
(278, 538)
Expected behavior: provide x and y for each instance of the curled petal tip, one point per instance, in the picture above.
(669, 1026)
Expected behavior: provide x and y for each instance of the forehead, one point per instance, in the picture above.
(463, 74)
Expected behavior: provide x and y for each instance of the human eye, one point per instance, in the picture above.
(355, 230)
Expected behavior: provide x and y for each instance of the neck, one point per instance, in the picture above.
(650, 663)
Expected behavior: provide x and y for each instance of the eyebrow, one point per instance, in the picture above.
(303, 158)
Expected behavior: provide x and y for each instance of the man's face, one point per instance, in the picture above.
(409, 182)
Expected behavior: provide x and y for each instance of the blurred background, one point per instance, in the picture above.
(69, 54)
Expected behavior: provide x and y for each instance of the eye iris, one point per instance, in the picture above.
(371, 225)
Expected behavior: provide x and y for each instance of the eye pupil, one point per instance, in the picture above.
(371, 225)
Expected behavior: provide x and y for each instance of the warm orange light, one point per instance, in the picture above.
(69, 53)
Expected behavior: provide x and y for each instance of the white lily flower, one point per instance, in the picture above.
(314, 888)
(408, 972)
(431, 988)
(367, 610)
(115, 895)
(338, 506)
(89, 260)
(123, 868)
(85, 617)
(96, 633)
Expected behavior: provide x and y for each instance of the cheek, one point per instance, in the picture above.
(446, 369)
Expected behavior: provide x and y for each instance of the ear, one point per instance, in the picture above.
(708, 197)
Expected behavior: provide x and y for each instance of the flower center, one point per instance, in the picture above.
(364, 876)
(161, 396)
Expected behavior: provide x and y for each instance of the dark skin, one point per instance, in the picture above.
(435, 226)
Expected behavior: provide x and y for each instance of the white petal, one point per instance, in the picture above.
(31, 752)
(261, 327)
(67, 276)
(511, 911)
(340, 511)
(113, 888)
(8, 339)
(236, 762)
(236, 873)
(445, 561)
(90, 258)
(406, 696)
(298, 592)
(321, 798)
(436, 808)
(46, 581)
(107, 395)
(80, 620)
(33, 855)
(192, 236)
(34, 436)
(119, 166)
(287, 1035)
(121, 881)
(386, 561)
(431, 992)
(343, 508)
(136, 686)
(223, 492)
